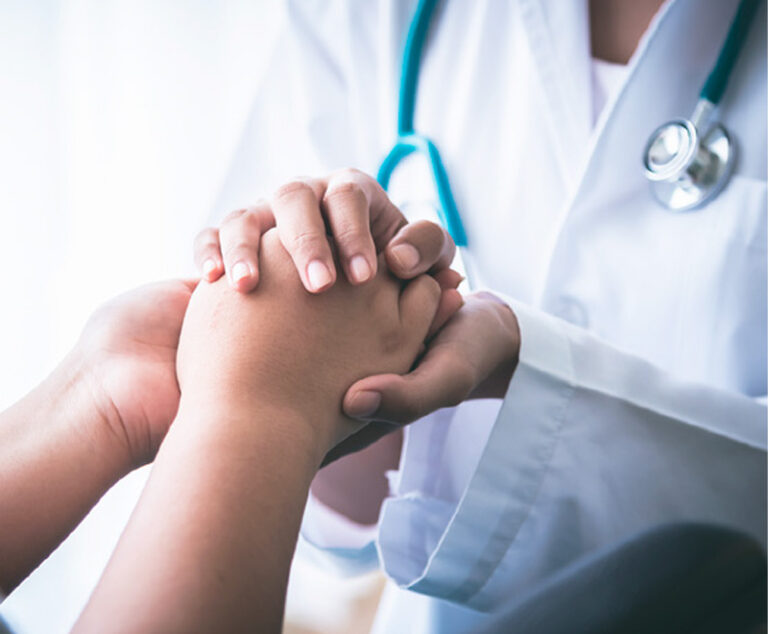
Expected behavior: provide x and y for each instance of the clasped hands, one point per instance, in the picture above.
(283, 350)
(295, 366)
(300, 333)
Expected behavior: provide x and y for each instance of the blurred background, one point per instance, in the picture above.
(118, 121)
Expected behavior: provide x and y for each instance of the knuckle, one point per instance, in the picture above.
(234, 251)
(427, 233)
(245, 220)
(293, 189)
(250, 219)
(427, 226)
(233, 215)
(426, 291)
(206, 239)
(350, 235)
(343, 190)
(347, 203)
(307, 243)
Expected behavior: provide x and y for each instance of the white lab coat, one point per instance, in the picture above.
(639, 397)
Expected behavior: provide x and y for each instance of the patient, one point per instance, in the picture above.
(262, 378)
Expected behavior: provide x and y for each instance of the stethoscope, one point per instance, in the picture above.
(688, 162)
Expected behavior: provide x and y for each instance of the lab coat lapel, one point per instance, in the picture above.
(558, 36)
(665, 76)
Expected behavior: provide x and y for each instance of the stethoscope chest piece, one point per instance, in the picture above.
(689, 161)
(687, 170)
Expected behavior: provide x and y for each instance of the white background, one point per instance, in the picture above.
(118, 120)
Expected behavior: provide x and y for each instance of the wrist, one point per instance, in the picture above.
(73, 387)
(63, 458)
(497, 382)
(232, 415)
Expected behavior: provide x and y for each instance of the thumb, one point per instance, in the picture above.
(442, 379)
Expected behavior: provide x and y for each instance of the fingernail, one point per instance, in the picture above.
(364, 404)
(240, 271)
(209, 266)
(406, 256)
(318, 275)
(360, 269)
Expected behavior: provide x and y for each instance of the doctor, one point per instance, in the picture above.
(637, 333)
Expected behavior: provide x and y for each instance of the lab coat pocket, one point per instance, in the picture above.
(724, 310)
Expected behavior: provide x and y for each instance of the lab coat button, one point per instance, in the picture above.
(572, 311)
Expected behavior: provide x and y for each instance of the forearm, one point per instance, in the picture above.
(57, 458)
(214, 532)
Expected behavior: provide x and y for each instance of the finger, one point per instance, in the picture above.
(346, 205)
(442, 379)
(419, 247)
(418, 303)
(207, 254)
(448, 278)
(450, 302)
(239, 235)
(302, 231)
(385, 218)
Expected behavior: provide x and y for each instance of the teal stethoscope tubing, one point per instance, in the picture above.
(409, 141)
(717, 80)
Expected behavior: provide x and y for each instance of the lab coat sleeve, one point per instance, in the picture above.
(335, 542)
(590, 446)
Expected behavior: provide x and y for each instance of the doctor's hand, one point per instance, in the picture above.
(128, 350)
(283, 350)
(473, 356)
(350, 206)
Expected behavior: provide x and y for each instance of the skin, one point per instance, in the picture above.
(105, 409)
(213, 534)
(363, 223)
(359, 214)
(102, 412)
(455, 365)
(616, 27)
(343, 313)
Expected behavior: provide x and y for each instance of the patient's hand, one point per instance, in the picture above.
(285, 349)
